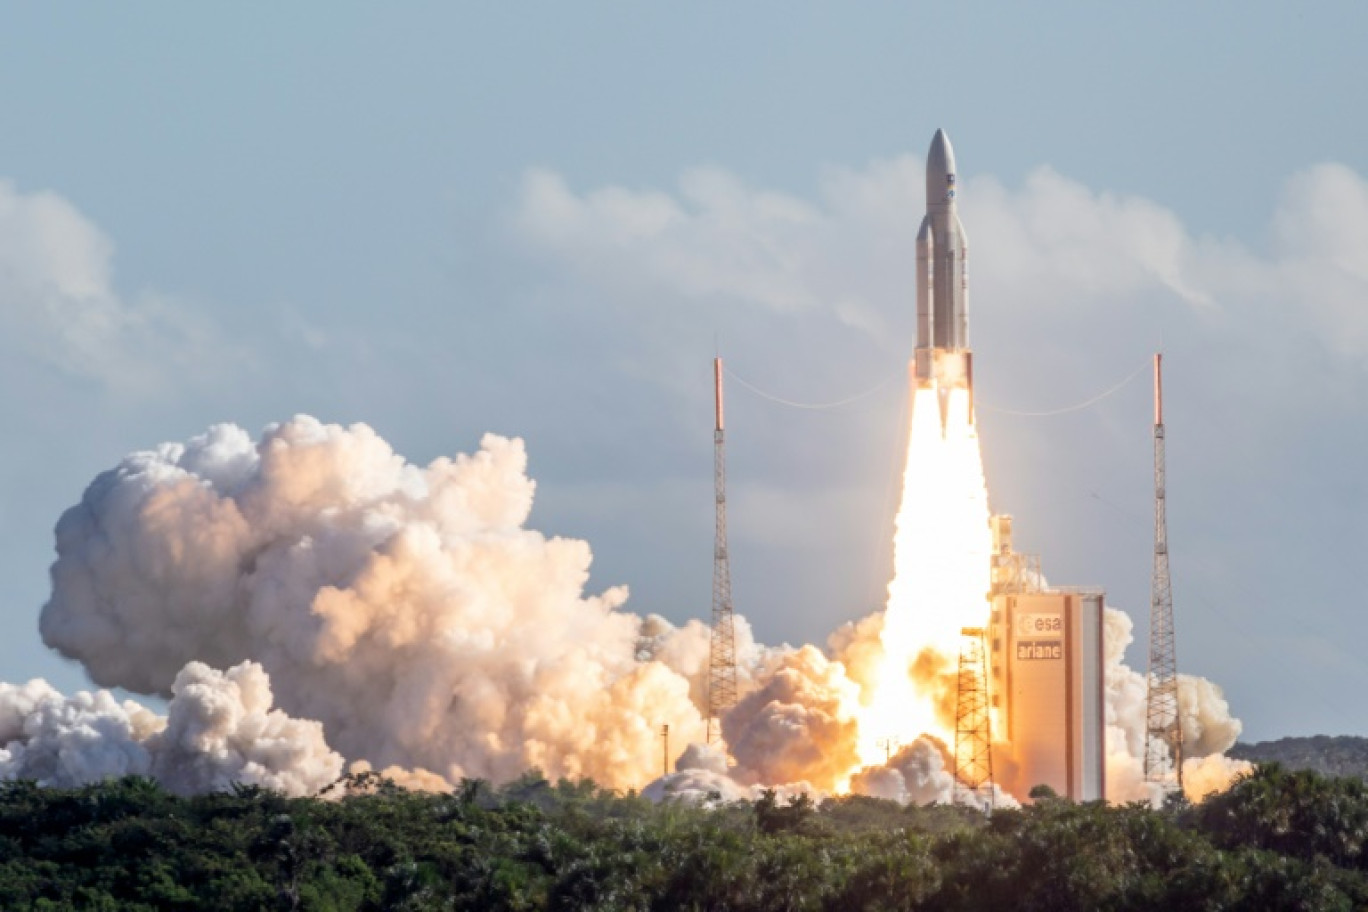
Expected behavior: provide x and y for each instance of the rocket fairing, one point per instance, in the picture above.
(943, 360)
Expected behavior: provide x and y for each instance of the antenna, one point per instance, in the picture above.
(1163, 727)
(722, 657)
(889, 745)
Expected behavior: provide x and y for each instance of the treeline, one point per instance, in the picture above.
(1329, 755)
(1277, 840)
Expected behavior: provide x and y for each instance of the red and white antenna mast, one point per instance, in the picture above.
(722, 657)
(1163, 727)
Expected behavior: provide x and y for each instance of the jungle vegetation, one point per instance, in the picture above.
(1277, 840)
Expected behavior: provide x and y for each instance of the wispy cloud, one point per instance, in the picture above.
(1052, 243)
(58, 303)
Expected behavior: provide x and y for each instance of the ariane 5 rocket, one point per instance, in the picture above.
(943, 360)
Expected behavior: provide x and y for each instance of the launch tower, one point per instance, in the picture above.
(973, 723)
(722, 655)
(1163, 728)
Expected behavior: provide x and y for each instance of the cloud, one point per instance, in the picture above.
(1321, 236)
(717, 237)
(1053, 244)
(58, 303)
(1062, 243)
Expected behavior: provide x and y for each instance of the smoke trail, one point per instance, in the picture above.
(1209, 730)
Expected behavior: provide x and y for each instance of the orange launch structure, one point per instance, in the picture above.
(1047, 674)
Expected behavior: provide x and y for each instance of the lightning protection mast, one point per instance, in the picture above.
(722, 657)
(1163, 727)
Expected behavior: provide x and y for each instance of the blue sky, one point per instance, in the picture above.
(429, 218)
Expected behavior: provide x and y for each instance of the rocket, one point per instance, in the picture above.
(943, 360)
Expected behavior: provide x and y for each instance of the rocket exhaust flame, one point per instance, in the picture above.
(942, 545)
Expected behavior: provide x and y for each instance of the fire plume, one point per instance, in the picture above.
(941, 577)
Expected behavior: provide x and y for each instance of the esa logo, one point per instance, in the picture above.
(1028, 625)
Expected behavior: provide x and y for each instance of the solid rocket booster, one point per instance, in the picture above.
(943, 360)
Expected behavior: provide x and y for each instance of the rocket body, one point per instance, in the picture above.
(943, 359)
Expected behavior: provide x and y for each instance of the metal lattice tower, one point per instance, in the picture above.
(1163, 728)
(973, 725)
(722, 657)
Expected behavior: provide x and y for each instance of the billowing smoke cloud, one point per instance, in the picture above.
(797, 725)
(687, 649)
(917, 774)
(1209, 730)
(701, 777)
(219, 729)
(431, 636)
(404, 607)
(66, 741)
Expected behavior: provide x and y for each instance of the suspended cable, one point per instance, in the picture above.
(1072, 408)
(813, 405)
(864, 394)
(892, 491)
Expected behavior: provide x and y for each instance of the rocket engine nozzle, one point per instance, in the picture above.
(944, 371)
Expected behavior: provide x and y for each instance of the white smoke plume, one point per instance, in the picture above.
(64, 741)
(916, 774)
(404, 607)
(858, 645)
(432, 636)
(219, 729)
(700, 777)
(687, 649)
(798, 725)
(1209, 730)
(697, 786)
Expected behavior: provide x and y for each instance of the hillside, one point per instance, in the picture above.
(1341, 755)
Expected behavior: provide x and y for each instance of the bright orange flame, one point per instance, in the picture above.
(941, 551)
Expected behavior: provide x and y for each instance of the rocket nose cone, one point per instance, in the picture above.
(941, 156)
(940, 170)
